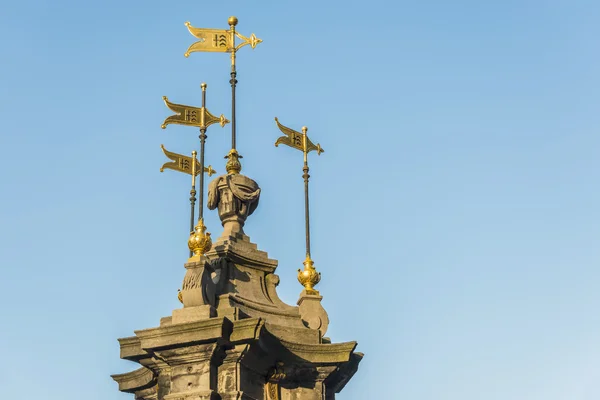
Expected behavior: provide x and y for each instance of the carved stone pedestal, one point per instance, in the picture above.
(234, 338)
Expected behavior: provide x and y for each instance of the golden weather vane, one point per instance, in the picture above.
(308, 277)
(199, 242)
(223, 41)
(187, 165)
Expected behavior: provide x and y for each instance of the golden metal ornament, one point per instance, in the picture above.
(213, 40)
(184, 164)
(191, 116)
(233, 165)
(309, 277)
(297, 140)
(220, 40)
(199, 242)
(223, 41)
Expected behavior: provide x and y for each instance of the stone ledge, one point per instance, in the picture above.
(338, 380)
(321, 353)
(185, 334)
(131, 349)
(130, 382)
(246, 329)
(191, 314)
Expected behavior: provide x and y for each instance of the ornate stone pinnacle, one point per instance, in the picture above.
(233, 165)
(199, 242)
(309, 277)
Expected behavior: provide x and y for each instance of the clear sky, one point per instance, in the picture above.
(455, 212)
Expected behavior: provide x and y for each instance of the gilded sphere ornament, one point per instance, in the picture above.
(199, 242)
(232, 20)
(309, 277)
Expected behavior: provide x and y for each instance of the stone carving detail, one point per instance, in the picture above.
(202, 281)
(192, 279)
(236, 197)
(275, 375)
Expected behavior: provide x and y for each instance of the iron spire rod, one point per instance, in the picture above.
(202, 143)
(233, 81)
(306, 176)
(193, 194)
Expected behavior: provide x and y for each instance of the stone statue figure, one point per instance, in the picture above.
(236, 197)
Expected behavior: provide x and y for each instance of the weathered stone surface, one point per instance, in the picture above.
(236, 197)
(190, 314)
(234, 338)
(233, 358)
(312, 312)
(147, 394)
(184, 334)
(134, 381)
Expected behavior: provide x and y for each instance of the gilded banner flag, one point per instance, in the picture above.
(296, 140)
(217, 40)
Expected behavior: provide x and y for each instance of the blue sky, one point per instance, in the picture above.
(455, 214)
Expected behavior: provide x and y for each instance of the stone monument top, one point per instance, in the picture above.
(233, 338)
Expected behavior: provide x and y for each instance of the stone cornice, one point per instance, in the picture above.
(185, 334)
(130, 382)
(179, 356)
(131, 349)
(344, 373)
(321, 353)
(246, 330)
(318, 354)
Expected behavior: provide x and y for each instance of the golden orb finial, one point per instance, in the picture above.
(309, 277)
(199, 242)
(233, 165)
(203, 85)
(232, 20)
(304, 129)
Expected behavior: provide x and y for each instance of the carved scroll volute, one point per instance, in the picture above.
(201, 282)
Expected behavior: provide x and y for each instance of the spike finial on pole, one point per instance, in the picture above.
(223, 41)
(308, 277)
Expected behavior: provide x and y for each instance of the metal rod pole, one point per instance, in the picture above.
(306, 176)
(202, 142)
(233, 81)
(193, 195)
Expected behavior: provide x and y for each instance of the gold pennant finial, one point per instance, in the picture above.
(308, 277)
(223, 41)
(191, 116)
(297, 140)
(219, 40)
(184, 164)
